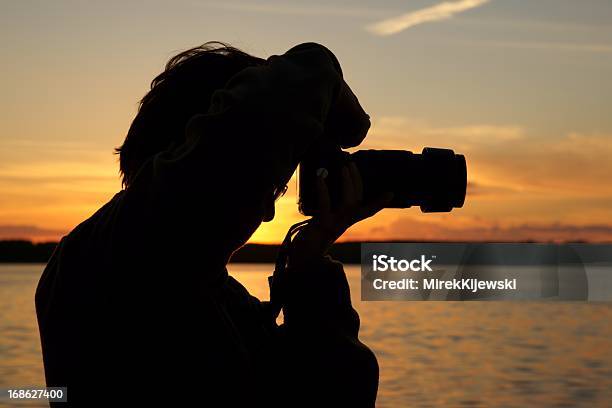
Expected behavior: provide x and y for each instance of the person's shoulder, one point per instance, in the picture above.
(99, 215)
(100, 221)
(80, 252)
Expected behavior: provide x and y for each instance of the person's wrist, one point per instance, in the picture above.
(310, 244)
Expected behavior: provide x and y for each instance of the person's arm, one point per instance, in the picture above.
(325, 362)
(321, 325)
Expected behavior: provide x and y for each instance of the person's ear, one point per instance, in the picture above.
(195, 126)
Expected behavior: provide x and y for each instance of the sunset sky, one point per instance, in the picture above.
(522, 88)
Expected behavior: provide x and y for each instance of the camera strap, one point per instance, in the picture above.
(277, 281)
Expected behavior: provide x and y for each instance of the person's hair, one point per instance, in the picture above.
(182, 90)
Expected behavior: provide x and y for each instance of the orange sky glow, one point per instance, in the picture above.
(528, 106)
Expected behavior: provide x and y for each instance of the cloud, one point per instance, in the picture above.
(522, 185)
(442, 11)
(412, 229)
(509, 156)
(486, 190)
(401, 133)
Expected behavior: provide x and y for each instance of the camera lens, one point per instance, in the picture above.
(434, 180)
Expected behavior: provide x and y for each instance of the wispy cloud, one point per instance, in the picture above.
(438, 12)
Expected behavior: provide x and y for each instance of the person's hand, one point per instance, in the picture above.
(347, 122)
(326, 226)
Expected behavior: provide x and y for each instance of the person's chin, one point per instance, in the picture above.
(239, 241)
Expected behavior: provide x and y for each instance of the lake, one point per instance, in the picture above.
(464, 354)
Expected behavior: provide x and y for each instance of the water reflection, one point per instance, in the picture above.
(430, 353)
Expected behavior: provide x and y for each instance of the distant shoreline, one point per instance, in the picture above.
(23, 251)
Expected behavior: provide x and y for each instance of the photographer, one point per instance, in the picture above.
(136, 303)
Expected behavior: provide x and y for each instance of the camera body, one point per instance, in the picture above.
(435, 180)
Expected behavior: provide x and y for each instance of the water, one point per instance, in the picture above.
(463, 354)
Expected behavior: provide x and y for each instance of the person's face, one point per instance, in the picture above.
(265, 211)
(269, 203)
(250, 214)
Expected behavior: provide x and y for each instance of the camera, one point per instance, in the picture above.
(435, 180)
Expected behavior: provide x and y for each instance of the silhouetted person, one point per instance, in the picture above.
(136, 304)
